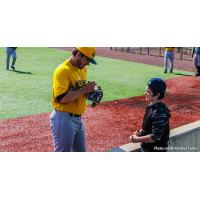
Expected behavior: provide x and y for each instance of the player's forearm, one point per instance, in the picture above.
(72, 96)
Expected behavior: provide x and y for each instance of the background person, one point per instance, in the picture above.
(196, 59)
(169, 56)
(11, 51)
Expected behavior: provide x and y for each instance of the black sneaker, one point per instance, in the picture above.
(13, 67)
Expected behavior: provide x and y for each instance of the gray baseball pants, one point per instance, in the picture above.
(68, 132)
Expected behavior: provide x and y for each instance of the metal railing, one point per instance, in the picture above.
(182, 53)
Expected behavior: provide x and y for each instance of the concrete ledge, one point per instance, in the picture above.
(184, 138)
(182, 130)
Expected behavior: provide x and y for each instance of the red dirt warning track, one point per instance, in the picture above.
(109, 124)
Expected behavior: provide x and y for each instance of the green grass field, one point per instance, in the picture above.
(28, 90)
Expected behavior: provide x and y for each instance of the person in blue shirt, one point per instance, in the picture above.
(196, 59)
(11, 51)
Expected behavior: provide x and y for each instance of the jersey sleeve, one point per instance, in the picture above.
(61, 80)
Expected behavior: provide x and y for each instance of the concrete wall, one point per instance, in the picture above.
(182, 139)
(185, 138)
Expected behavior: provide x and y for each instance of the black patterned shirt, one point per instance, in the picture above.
(156, 123)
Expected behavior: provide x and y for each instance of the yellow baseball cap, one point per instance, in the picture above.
(89, 52)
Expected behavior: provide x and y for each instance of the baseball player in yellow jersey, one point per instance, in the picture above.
(169, 55)
(69, 100)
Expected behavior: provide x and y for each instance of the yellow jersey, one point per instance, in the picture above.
(169, 48)
(67, 77)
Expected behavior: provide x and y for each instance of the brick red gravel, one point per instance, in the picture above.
(108, 125)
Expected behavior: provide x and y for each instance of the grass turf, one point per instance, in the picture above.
(28, 89)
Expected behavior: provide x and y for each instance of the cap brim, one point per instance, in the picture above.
(92, 61)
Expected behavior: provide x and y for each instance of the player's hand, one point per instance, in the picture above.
(90, 87)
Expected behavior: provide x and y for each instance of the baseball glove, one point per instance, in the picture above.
(96, 96)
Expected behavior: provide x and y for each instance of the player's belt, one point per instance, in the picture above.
(74, 115)
(70, 114)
